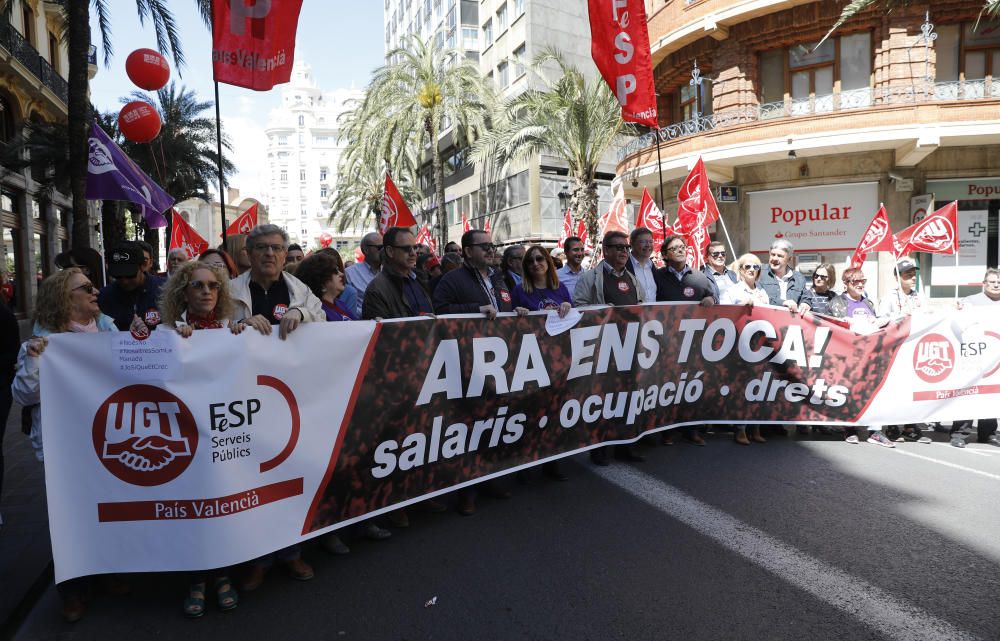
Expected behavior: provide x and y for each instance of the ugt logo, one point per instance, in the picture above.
(145, 435)
(934, 358)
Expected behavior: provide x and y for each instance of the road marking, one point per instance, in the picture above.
(995, 477)
(856, 597)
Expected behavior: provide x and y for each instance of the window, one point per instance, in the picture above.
(302, 138)
(28, 16)
(518, 9)
(488, 33)
(323, 173)
(470, 38)
(502, 18)
(54, 52)
(502, 75)
(980, 51)
(282, 140)
(283, 176)
(519, 68)
(808, 76)
(302, 121)
(323, 192)
(470, 12)
(947, 50)
(302, 175)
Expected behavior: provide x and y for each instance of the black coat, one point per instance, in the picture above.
(461, 291)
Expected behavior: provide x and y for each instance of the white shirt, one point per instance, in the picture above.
(644, 273)
(568, 277)
(722, 280)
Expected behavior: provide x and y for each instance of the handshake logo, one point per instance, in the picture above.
(145, 435)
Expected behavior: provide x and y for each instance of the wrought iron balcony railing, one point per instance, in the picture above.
(23, 52)
(843, 101)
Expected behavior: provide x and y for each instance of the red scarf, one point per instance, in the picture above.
(206, 322)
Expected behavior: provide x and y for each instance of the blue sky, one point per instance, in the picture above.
(342, 41)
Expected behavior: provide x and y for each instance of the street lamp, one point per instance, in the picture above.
(564, 197)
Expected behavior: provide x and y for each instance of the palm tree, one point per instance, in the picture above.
(409, 101)
(77, 36)
(991, 8)
(571, 118)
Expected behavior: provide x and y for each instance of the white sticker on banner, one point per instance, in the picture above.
(151, 359)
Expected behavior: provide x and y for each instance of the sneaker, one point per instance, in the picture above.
(852, 439)
(994, 441)
(334, 545)
(878, 438)
(926, 440)
(957, 441)
(913, 437)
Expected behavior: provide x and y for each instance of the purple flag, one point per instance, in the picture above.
(111, 175)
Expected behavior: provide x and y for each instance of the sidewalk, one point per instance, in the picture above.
(25, 554)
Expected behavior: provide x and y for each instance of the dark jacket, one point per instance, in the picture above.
(769, 282)
(838, 306)
(10, 343)
(143, 301)
(461, 291)
(693, 286)
(384, 297)
(705, 269)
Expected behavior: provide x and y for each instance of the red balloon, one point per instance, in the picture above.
(139, 122)
(325, 239)
(147, 69)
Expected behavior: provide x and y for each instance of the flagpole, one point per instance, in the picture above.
(957, 248)
(222, 181)
(726, 232)
(659, 168)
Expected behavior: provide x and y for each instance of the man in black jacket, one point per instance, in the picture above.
(395, 292)
(132, 299)
(474, 287)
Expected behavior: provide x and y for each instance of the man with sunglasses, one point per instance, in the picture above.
(676, 281)
(476, 287)
(266, 295)
(610, 282)
(396, 292)
(132, 298)
(360, 275)
(720, 276)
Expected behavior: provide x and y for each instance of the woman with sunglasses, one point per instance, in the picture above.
(540, 288)
(746, 291)
(196, 296)
(67, 302)
(819, 293)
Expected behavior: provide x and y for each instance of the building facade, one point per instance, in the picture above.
(528, 204)
(303, 148)
(33, 88)
(808, 139)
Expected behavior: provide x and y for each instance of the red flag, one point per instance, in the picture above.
(567, 229)
(616, 218)
(581, 232)
(183, 236)
(465, 223)
(244, 222)
(424, 238)
(620, 49)
(395, 213)
(935, 234)
(487, 228)
(696, 211)
(651, 218)
(878, 237)
(253, 43)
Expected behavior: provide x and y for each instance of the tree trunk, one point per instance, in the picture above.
(78, 26)
(442, 211)
(586, 197)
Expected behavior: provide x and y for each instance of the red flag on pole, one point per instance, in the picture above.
(935, 234)
(253, 43)
(244, 222)
(567, 229)
(651, 218)
(581, 232)
(424, 238)
(183, 236)
(620, 49)
(696, 211)
(616, 218)
(465, 223)
(878, 237)
(395, 213)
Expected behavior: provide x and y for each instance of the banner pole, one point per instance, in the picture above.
(728, 239)
(956, 272)
(222, 181)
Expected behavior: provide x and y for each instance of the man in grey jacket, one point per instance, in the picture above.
(610, 282)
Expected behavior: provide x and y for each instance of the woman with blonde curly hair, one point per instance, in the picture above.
(197, 297)
(67, 302)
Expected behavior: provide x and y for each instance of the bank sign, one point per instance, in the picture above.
(826, 218)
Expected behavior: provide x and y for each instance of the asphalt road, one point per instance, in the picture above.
(799, 538)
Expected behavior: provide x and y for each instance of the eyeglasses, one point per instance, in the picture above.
(717, 254)
(617, 248)
(409, 249)
(677, 248)
(820, 277)
(486, 247)
(857, 282)
(263, 247)
(87, 287)
(751, 268)
(212, 285)
(537, 258)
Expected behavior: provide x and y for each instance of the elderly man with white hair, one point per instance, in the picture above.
(783, 284)
(175, 258)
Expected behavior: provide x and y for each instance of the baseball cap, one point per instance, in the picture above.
(905, 265)
(125, 260)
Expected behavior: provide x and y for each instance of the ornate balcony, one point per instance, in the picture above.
(12, 40)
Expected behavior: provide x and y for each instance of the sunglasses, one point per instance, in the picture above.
(87, 287)
(857, 282)
(751, 268)
(820, 277)
(717, 254)
(618, 248)
(212, 285)
(486, 247)
(537, 258)
(409, 249)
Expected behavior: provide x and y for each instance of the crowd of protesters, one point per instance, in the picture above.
(259, 282)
